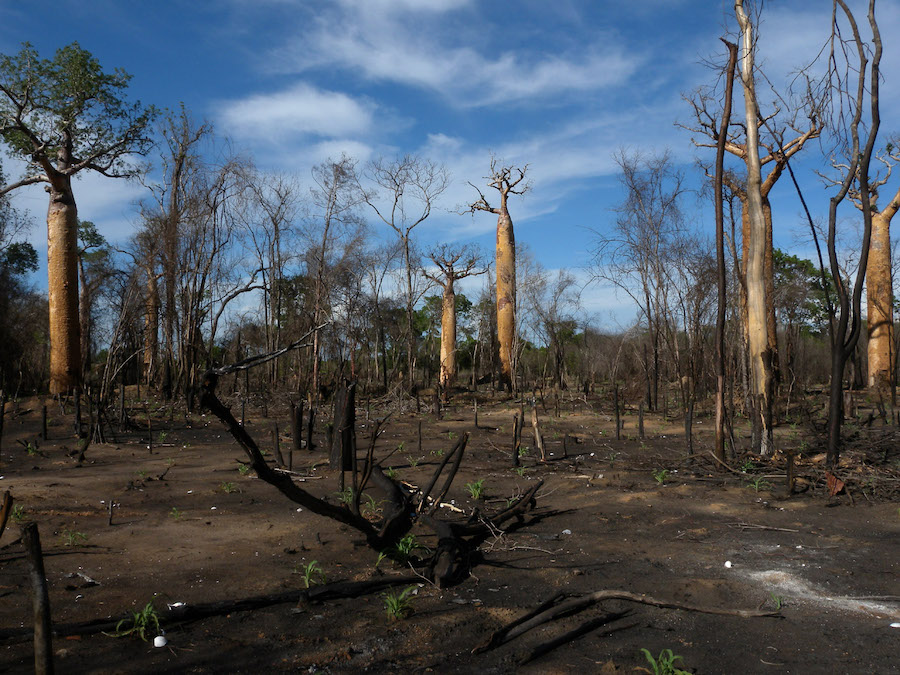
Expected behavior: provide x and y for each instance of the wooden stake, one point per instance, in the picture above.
(538, 437)
(641, 420)
(44, 435)
(516, 435)
(43, 649)
(618, 417)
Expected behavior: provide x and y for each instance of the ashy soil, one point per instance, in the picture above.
(188, 526)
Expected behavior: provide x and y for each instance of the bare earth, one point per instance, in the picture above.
(204, 532)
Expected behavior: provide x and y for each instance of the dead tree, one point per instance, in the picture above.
(403, 507)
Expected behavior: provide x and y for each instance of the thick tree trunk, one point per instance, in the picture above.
(506, 297)
(448, 336)
(879, 299)
(761, 380)
(62, 280)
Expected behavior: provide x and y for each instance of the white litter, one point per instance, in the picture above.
(728, 564)
(567, 531)
(160, 641)
(896, 624)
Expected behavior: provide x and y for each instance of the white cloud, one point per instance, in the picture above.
(425, 52)
(300, 110)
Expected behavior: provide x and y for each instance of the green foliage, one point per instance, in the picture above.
(70, 101)
(759, 484)
(404, 549)
(748, 466)
(524, 450)
(660, 476)
(413, 461)
(228, 487)
(520, 470)
(243, 469)
(72, 538)
(345, 496)
(664, 664)
(476, 489)
(311, 574)
(398, 605)
(800, 293)
(391, 473)
(176, 513)
(371, 508)
(19, 257)
(18, 513)
(777, 600)
(144, 624)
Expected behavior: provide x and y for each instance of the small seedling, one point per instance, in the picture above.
(664, 664)
(524, 450)
(413, 461)
(73, 538)
(520, 470)
(778, 601)
(244, 469)
(228, 487)
(611, 457)
(400, 446)
(450, 435)
(142, 474)
(311, 574)
(398, 605)
(371, 508)
(759, 484)
(30, 448)
(345, 496)
(404, 549)
(748, 466)
(163, 435)
(176, 513)
(18, 513)
(660, 476)
(391, 473)
(144, 624)
(476, 489)
(382, 555)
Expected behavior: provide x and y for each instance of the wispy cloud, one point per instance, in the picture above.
(418, 44)
(301, 110)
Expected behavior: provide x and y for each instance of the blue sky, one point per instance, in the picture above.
(559, 85)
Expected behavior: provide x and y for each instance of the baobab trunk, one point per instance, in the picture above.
(506, 296)
(62, 282)
(448, 336)
(879, 299)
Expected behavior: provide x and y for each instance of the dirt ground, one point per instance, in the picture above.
(188, 526)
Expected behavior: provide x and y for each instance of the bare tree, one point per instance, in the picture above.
(507, 180)
(635, 256)
(454, 263)
(405, 194)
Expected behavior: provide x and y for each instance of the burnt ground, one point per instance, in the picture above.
(205, 532)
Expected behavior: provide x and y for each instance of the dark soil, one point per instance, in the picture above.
(189, 527)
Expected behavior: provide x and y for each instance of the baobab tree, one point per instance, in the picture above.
(454, 263)
(64, 116)
(507, 180)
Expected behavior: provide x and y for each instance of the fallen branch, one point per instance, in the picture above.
(553, 611)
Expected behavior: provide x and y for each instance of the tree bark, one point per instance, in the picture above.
(761, 379)
(62, 279)
(506, 296)
(448, 336)
(879, 300)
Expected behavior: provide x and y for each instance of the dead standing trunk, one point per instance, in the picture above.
(761, 377)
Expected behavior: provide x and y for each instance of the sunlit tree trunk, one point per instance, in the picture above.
(62, 280)
(761, 379)
(448, 336)
(151, 325)
(879, 300)
(506, 295)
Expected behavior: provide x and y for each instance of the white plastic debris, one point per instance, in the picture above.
(213, 508)
(728, 564)
(896, 624)
(567, 531)
(160, 641)
(175, 605)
